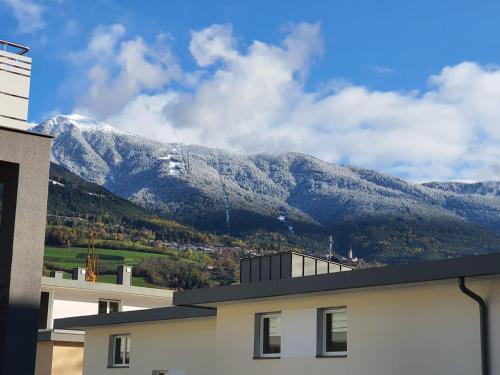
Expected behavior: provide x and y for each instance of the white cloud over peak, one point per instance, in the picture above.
(254, 99)
(119, 70)
(28, 13)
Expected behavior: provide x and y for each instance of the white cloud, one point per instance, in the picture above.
(381, 69)
(253, 100)
(119, 69)
(28, 13)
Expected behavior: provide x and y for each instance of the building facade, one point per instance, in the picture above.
(415, 319)
(24, 172)
(60, 352)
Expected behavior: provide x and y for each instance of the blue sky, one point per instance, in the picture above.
(390, 85)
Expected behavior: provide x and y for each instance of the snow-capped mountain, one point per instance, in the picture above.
(218, 190)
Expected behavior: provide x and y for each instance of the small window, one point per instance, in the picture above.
(44, 311)
(269, 335)
(160, 372)
(107, 306)
(333, 331)
(120, 351)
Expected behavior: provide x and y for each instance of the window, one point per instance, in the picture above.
(332, 331)
(44, 311)
(120, 351)
(106, 306)
(160, 372)
(268, 335)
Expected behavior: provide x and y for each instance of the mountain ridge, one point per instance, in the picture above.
(221, 191)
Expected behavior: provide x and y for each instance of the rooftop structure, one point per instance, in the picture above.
(286, 265)
(15, 74)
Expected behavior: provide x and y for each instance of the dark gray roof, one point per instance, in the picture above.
(131, 317)
(480, 265)
(62, 336)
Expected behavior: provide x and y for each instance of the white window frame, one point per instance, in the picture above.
(107, 305)
(113, 364)
(324, 313)
(261, 338)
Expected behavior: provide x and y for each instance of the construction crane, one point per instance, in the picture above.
(91, 271)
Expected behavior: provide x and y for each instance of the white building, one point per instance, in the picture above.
(60, 352)
(15, 73)
(413, 319)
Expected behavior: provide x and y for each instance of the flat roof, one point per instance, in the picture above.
(53, 282)
(469, 266)
(60, 335)
(133, 317)
(27, 132)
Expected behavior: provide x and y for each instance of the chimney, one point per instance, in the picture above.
(57, 274)
(124, 275)
(79, 274)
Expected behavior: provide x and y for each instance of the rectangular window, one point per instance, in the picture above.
(160, 372)
(107, 306)
(44, 311)
(268, 335)
(333, 331)
(120, 351)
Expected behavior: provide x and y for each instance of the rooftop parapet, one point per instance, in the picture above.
(286, 265)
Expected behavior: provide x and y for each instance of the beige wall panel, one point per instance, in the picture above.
(13, 107)
(67, 359)
(44, 358)
(14, 84)
(9, 123)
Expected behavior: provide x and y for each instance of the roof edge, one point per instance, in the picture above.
(469, 266)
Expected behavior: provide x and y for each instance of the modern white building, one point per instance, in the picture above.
(15, 73)
(60, 352)
(440, 317)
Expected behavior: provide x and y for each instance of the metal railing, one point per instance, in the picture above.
(18, 49)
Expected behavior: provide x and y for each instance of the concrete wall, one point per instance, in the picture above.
(24, 169)
(184, 347)
(391, 331)
(59, 358)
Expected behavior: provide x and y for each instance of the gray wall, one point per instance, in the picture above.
(24, 167)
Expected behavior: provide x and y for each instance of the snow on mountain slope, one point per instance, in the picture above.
(215, 189)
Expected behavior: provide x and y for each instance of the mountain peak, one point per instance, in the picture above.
(89, 124)
(83, 123)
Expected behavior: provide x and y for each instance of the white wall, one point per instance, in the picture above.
(413, 330)
(410, 330)
(14, 89)
(183, 347)
(74, 302)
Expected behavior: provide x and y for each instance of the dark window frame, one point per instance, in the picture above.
(112, 351)
(321, 333)
(259, 336)
(108, 302)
